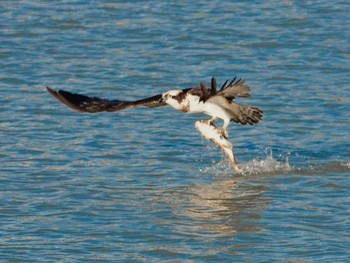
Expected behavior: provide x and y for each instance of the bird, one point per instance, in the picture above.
(218, 104)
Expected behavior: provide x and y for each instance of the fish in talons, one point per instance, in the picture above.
(211, 133)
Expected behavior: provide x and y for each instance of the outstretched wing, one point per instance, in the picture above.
(238, 113)
(236, 88)
(82, 103)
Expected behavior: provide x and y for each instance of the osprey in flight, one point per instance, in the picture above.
(219, 104)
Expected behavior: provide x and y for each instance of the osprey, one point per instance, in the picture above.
(217, 104)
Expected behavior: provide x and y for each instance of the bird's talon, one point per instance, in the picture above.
(223, 133)
(209, 123)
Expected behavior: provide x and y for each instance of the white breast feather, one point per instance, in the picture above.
(196, 106)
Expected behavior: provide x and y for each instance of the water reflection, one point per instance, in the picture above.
(221, 208)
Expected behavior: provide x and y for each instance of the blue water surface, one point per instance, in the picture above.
(142, 185)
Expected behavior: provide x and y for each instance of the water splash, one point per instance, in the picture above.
(346, 164)
(268, 165)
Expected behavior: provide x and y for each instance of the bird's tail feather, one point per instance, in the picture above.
(246, 114)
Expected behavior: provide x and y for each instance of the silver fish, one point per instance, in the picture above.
(210, 133)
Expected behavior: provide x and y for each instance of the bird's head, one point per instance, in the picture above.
(175, 99)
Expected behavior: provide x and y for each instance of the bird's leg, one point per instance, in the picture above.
(210, 122)
(223, 131)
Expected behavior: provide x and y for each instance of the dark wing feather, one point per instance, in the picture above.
(205, 93)
(82, 103)
(224, 85)
(213, 87)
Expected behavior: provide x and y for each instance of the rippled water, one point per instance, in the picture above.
(142, 185)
